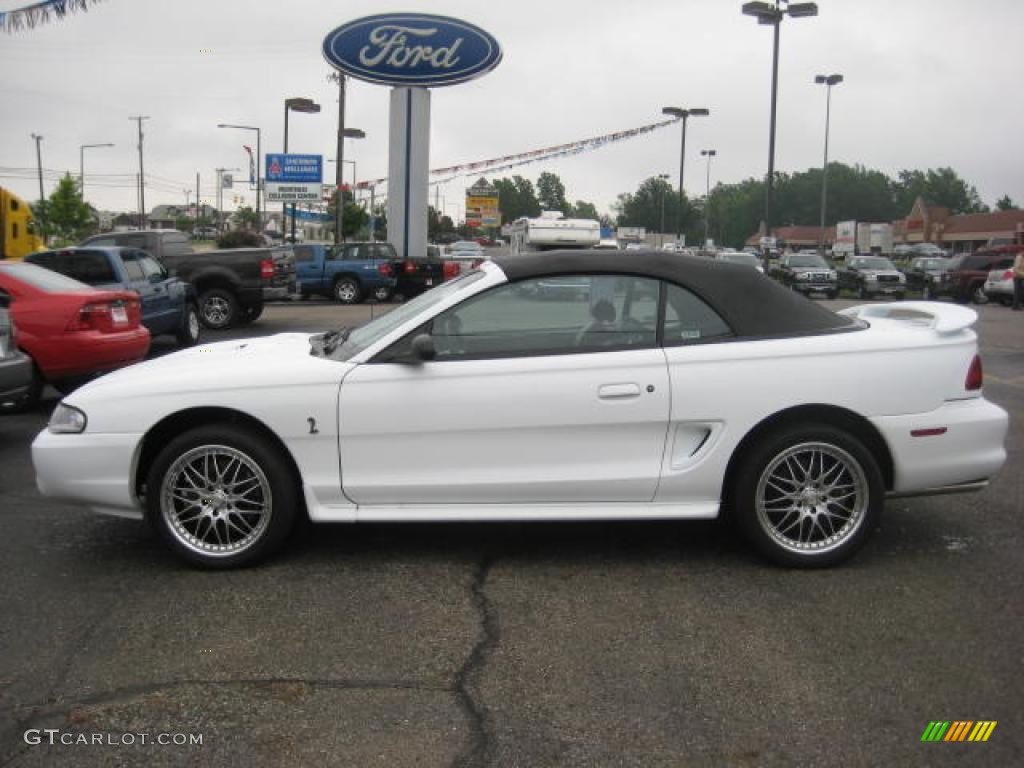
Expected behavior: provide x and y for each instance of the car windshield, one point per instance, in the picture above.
(43, 279)
(355, 341)
(740, 258)
(933, 263)
(808, 260)
(872, 263)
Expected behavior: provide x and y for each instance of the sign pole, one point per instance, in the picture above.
(339, 205)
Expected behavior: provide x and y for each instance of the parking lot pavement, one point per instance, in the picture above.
(500, 645)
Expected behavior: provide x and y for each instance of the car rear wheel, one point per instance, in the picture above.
(382, 294)
(248, 315)
(978, 295)
(218, 308)
(189, 332)
(347, 291)
(808, 496)
(221, 497)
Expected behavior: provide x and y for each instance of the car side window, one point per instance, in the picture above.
(89, 267)
(131, 265)
(151, 267)
(551, 316)
(689, 319)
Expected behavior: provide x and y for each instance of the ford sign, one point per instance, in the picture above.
(411, 49)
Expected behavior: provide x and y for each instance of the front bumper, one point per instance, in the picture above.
(816, 287)
(971, 449)
(91, 469)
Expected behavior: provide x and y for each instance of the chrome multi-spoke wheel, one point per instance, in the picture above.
(812, 497)
(216, 500)
(807, 495)
(222, 495)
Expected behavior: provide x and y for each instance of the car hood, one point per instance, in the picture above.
(811, 269)
(877, 272)
(282, 360)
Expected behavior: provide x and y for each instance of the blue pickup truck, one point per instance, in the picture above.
(168, 303)
(349, 273)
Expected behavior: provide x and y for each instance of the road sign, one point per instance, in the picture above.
(293, 193)
(295, 169)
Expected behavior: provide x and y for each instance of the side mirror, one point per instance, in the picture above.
(423, 348)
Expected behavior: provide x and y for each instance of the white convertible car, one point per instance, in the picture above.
(575, 385)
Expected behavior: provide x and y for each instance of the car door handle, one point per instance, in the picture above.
(618, 391)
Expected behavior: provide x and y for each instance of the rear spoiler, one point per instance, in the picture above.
(944, 319)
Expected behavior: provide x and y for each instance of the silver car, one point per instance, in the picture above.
(999, 286)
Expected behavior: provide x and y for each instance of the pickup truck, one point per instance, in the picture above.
(168, 303)
(349, 272)
(231, 285)
(416, 275)
(807, 273)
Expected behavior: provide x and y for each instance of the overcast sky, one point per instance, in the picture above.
(928, 83)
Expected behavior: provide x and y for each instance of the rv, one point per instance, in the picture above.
(552, 231)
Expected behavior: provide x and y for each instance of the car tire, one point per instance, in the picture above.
(212, 521)
(926, 292)
(218, 308)
(347, 291)
(978, 295)
(190, 331)
(382, 294)
(777, 487)
(248, 315)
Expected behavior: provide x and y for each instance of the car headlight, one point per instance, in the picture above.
(66, 420)
(903, 278)
(871, 278)
(832, 275)
(803, 276)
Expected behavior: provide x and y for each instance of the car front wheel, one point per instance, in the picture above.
(221, 497)
(218, 308)
(808, 496)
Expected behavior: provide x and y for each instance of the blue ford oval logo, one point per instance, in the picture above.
(411, 49)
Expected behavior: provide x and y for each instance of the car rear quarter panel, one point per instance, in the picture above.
(727, 389)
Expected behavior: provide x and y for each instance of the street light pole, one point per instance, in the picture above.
(339, 196)
(772, 14)
(828, 81)
(661, 229)
(296, 104)
(259, 162)
(683, 114)
(81, 166)
(708, 153)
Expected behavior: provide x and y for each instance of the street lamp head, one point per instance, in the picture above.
(797, 10)
(354, 133)
(701, 112)
(674, 111)
(828, 79)
(709, 152)
(301, 104)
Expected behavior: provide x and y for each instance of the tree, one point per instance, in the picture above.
(644, 207)
(355, 218)
(245, 217)
(938, 186)
(516, 199)
(584, 210)
(124, 220)
(1004, 203)
(437, 224)
(551, 193)
(65, 215)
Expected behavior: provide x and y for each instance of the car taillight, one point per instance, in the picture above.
(91, 317)
(409, 267)
(1008, 275)
(450, 269)
(385, 270)
(267, 269)
(975, 376)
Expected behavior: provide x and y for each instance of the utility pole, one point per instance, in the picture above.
(42, 200)
(220, 199)
(198, 202)
(142, 174)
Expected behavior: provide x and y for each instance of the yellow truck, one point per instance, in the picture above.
(18, 236)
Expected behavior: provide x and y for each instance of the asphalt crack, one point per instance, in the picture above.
(480, 751)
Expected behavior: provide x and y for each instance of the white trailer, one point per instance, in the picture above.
(552, 231)
(874, 238)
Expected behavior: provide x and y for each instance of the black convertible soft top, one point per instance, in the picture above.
(752, 304)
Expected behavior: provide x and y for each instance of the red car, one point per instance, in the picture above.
(70, 330)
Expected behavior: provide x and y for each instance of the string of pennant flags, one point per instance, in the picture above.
(506, 162)
(32, 15)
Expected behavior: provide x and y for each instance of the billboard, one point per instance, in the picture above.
(295, 169)
(482, 205)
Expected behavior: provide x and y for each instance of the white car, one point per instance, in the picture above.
(999, 286)
(672, 388)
